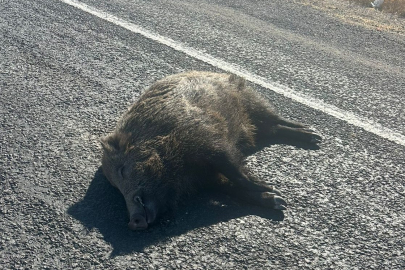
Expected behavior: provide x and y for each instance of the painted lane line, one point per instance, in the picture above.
(314, 103)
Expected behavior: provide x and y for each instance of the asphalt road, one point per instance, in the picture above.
(67, 75)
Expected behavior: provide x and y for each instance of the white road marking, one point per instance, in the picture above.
(314, 103)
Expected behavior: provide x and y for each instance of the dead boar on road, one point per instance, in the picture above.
(189, 131)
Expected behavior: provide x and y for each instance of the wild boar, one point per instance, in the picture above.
(189, 131)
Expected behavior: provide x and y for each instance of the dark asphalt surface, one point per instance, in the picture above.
(66, 76)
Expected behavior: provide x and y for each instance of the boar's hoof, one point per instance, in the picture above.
(138, 222)
(275, 191)
(274, 201)
(310, 135)
(279, 203)
(315, 138)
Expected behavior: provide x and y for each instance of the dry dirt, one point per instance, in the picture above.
(356, 14)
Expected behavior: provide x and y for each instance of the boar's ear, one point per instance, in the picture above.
(110, 143)
(116, 142)
(238, 81)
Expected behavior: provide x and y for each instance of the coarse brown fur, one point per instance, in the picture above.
(188, 131)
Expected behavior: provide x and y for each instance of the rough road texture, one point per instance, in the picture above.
(65, 77)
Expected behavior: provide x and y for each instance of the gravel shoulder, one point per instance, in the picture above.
(355, 14)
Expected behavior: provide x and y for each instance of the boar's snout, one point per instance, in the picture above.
(142, 214)
(138, 222)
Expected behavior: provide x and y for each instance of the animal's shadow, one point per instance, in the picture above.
(103, 208)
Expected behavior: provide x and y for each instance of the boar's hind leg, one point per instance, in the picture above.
(289, 123)
(297, 133)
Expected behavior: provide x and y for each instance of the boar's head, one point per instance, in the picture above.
(138, 172)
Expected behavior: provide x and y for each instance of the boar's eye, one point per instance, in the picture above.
(138, 200)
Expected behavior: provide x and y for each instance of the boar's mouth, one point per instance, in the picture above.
(139, 200)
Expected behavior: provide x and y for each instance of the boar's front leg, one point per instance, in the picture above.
(264, 199)
(241, 184)
(268, 199)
